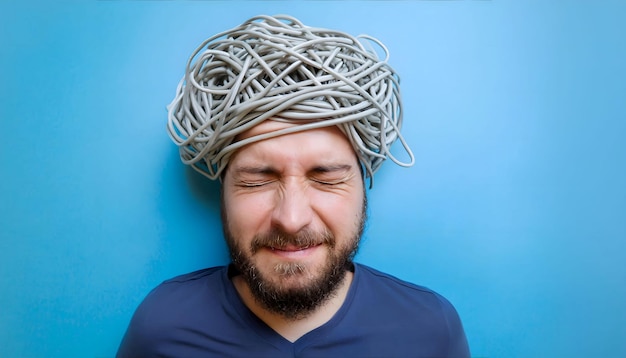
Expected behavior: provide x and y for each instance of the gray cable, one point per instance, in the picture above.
(278, 68)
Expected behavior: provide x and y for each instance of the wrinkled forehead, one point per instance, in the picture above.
(275, 125)
(328, 138)
(324, 146)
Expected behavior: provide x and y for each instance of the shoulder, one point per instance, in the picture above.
(417, 309)
(180, 287)
(172, 305)
(195, 276)
(369, 276)
(201, 285)
(396, 290)
(414, 317)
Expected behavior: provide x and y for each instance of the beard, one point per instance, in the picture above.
(293, 289)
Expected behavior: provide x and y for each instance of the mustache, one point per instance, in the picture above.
(277, 238)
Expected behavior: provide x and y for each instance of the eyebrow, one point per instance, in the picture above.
(268, 170)
(254, 170)
(331, 168)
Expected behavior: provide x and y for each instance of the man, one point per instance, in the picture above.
(291, 119)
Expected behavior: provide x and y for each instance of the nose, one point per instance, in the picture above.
(293, 211)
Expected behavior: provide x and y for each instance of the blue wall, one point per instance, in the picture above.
(516, 209)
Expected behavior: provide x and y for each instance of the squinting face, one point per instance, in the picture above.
(293, 210)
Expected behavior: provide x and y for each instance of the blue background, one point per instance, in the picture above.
(515, 210)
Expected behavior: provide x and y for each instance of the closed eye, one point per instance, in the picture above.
(331, 175)
(253, 184)
(252, 177)
(328, 182)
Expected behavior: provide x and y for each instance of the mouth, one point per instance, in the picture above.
(293, 251)
(291, 248)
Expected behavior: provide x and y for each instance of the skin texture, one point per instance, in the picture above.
(293, 209)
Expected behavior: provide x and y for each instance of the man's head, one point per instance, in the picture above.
(293, 210)
(289, 116)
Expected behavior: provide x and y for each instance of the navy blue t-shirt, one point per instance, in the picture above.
(200, 314)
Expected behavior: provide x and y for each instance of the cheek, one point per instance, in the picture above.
(341, 215)
(246, 215)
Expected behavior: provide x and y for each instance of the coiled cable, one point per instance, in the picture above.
(278, 68)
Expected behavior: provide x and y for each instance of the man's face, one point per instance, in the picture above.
(293, 212)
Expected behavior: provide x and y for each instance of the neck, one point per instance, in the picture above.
(292, 329)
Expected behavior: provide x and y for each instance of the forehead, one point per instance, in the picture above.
(326, 144)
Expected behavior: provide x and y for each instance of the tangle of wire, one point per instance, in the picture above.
(278, 68)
